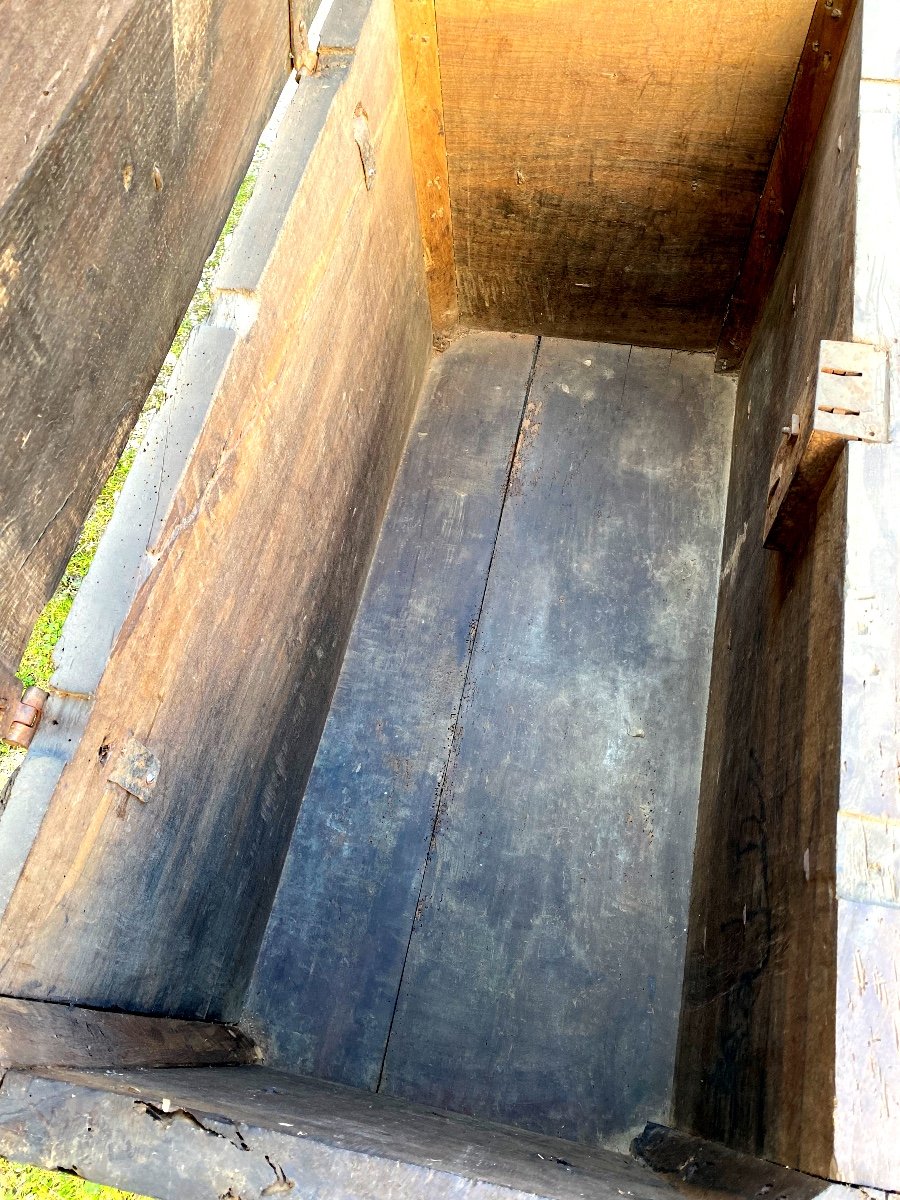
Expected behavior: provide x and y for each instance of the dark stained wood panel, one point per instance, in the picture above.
(809, 96)
(117, 183)
(757, 1045)
(867, 1075)
(543, 979)
(34, 1034)
(606, 160)
(225, 665)
(326, 982)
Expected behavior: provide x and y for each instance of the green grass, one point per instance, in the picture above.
(19, 1182)
(24, 1182)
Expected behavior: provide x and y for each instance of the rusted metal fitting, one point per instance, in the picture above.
(25, 718)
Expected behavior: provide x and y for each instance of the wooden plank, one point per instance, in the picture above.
(33, 1034)
(543, 979)
(225, 665)
(417, 32)
(190, 1135)
(867, 1075)
(757, 1044)
(606, 161)
(708, 1171)
(816, 72)
(126, 145)
(326, 982)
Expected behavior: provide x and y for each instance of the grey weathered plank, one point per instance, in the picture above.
(544, 975)
(125, 151)
(326, 982)
(154, 1132)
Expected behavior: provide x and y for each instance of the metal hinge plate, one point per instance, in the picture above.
(849, 404)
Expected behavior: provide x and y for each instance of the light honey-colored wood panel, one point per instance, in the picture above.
(417, 36)
(225, 665)
(606, 160)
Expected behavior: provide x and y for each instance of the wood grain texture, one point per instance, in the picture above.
(225, 665)
(544, 972)
(816, 72)
(290, 1136)
(417, 32)
(867, 1109)
(709, 1171)
(606, 161)
(326, 982)
(34, 1034)
(109, 209)
(757, 1043)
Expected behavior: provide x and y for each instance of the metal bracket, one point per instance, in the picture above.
(849, 404)
(24, 718)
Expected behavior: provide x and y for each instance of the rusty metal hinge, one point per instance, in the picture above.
(25, 717)
(848, 404)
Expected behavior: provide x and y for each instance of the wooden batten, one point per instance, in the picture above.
(418, 40)
(124, 142)
(803, 117)
(224, 665)
(33, 1034)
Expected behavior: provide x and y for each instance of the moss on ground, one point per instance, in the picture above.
(18, 1182)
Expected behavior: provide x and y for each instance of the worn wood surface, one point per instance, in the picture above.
(326, 982)
(192, 1135)
(225, 665)
(816, 72)
(867, 1091)
(35, 1034)
(417, 34)
(606, 161)
(709, 1171)
(543, 978)
(124, 140)
(757, 1043)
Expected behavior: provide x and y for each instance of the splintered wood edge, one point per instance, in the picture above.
(35, 1033)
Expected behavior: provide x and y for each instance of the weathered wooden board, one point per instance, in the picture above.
(417, 33)
(867, 1054)
(756, 1058)
(607, 160)
(543, 978)
(326, 982)
(124, 141)
(709, 1171)
(226, 663)
(253, 1132)
(34, 1034)
(802, 120)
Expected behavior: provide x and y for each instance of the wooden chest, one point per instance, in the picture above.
(471, 765)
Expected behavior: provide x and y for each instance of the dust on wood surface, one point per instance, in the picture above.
(326, 981)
